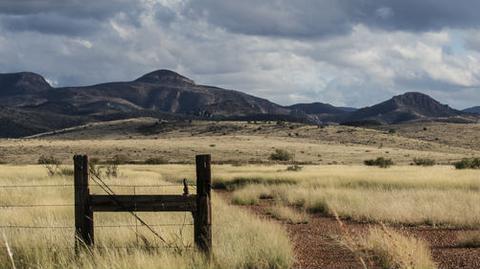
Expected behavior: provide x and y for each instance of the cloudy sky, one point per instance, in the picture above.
(346, 52)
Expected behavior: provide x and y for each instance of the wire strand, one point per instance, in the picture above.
(111, 194)
(97, 226)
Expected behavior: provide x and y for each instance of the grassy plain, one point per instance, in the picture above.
(237, 142)
(333, 181)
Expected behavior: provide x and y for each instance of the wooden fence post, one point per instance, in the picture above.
(83, 211)
(202, 217)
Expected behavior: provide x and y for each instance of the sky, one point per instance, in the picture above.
(344, 52)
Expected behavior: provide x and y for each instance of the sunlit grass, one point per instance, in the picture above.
(400, 195)
(395, 250)
(240, 240)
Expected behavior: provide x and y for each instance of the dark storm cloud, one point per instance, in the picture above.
(313, 18)
(48, 24)
(68, 17)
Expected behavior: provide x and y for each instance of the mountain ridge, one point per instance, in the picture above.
(166, 94)
(472, 110)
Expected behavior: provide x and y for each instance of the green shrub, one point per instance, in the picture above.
(380, 162)
(281, 155)
(468, 163)
(424, 162)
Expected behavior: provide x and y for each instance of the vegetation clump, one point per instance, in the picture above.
(294, 168)
(380, 162)
(50, 163)
(468, 163)
(281, 155)
(394, 250)
(424, 162)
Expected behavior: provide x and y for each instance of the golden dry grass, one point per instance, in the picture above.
(240, 240)
(395, 250)
(232, 142)
(400, 195)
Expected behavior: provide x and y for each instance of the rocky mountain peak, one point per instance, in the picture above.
(164, 76)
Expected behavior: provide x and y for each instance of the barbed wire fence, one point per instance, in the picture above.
(134, 187)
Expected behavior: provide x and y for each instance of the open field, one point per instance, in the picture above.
(232, 142)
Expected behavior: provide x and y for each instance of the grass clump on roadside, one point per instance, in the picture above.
(470, 239)
(380, 162)
(288, 214)
(468, 163)
(424, 162)
(386, 247)
(395, 250)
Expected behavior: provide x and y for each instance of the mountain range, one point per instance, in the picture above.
(30, 105)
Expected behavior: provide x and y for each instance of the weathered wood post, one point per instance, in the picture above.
(83, 211)
(202, 217)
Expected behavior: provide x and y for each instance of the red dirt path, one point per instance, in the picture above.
(315, 248)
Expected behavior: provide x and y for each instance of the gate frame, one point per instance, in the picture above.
(198, 204)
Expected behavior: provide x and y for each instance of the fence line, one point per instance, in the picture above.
(37, 205)
(98, 226)
(94, 185)
(146, 248)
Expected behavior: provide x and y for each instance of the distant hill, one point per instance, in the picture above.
(320, 108)
(473, 110)
(29, 105)
(406, 107)
(25, 83)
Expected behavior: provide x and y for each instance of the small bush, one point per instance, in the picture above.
(155, 160)
(294, 168)
(380, 162)
(424, 162)
(281, 155)
(392, 131)
(468, 163)
(50, 163)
